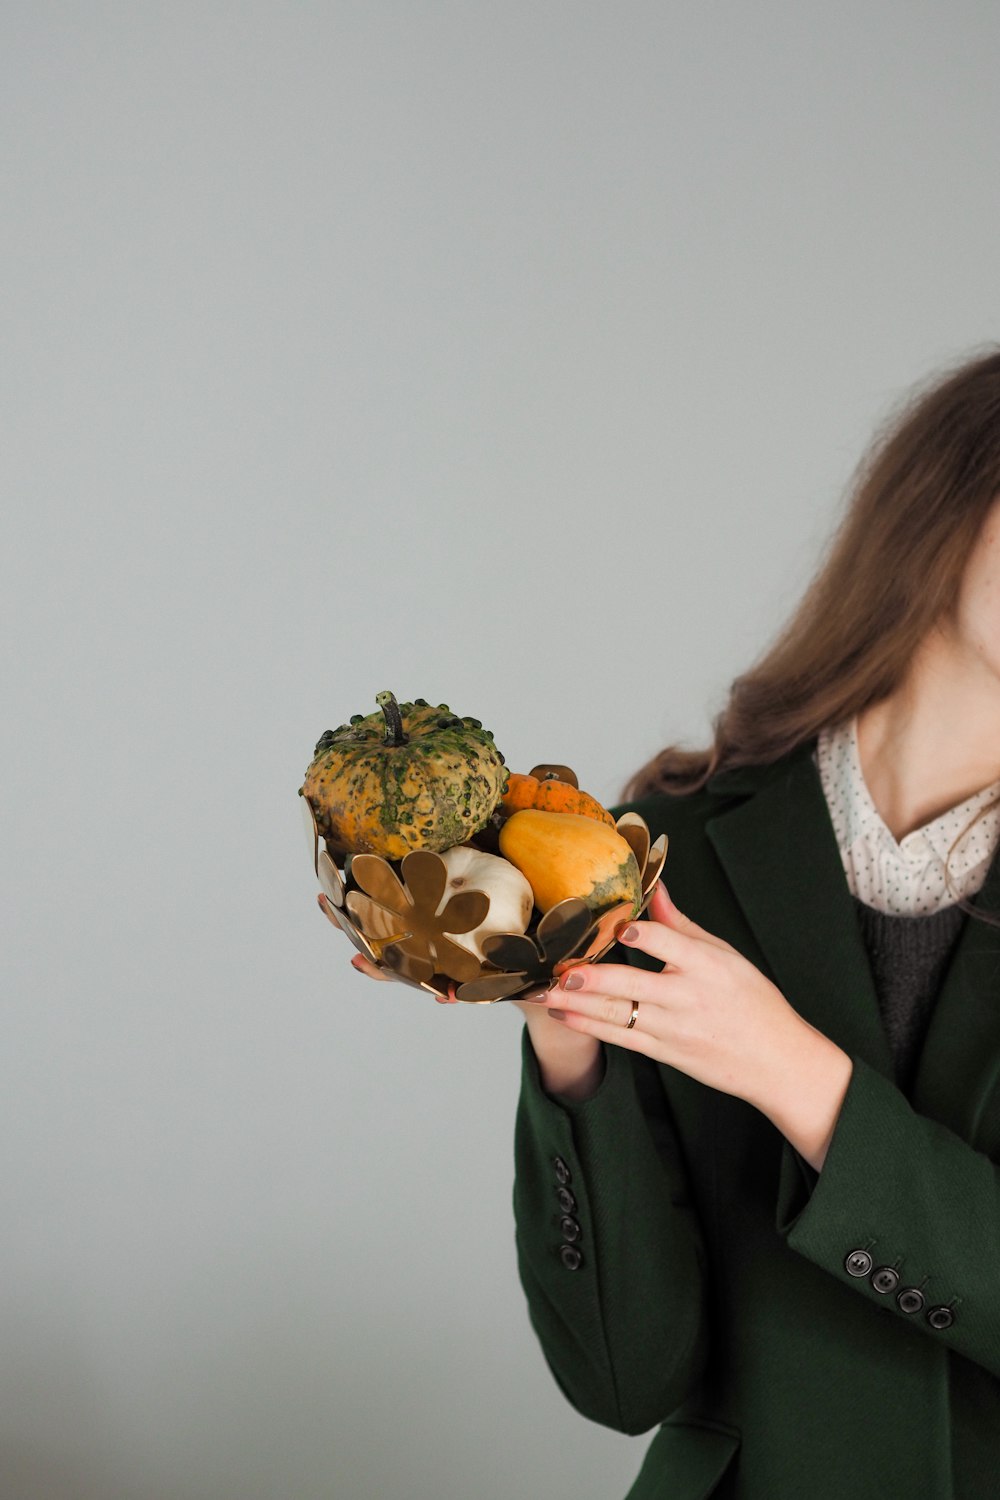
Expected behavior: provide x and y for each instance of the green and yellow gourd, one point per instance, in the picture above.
(409, 776)
(562, 855)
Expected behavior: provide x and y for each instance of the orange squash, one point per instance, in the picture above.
(566, 854)
(550, 795)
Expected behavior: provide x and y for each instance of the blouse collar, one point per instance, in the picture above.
(855, 815)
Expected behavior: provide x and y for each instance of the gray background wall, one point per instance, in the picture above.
(516, 356)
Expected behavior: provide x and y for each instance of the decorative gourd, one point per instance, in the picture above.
(511, 897)
(551, 795)
(566, 854)
(411, 776)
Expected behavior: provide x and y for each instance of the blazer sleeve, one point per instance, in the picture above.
(609, 1248)
(898, 1190)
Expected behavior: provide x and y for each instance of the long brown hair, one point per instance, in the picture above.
(918, 499)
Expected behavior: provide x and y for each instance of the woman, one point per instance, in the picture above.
(757, 1203)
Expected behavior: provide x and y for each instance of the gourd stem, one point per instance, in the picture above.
(393, 719)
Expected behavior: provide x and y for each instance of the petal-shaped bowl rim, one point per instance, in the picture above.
(587, 946)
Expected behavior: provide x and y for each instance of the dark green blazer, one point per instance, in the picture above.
(714, 1286)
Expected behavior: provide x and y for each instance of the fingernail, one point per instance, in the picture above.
(573, 982)
(630, 933)
(557, 1015)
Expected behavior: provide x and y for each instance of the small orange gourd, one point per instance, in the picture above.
(550, 795)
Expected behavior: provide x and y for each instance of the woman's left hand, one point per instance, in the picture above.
(710, 1013)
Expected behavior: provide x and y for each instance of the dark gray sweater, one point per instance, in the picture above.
(908, 957)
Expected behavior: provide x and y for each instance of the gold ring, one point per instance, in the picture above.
(631, 1020)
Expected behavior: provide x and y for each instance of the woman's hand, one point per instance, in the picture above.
(710, 1013)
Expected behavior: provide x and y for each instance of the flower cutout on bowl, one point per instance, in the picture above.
(339, 918)
(331, 879)
(401, 920)
(649, 857)
(312, 830)
(328, 874)
(605, 932)
(530, 961)
(549, 771)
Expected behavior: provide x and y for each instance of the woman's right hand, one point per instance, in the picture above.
(570, 1062)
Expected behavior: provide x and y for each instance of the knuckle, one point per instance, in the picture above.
(635, 985)
(715, 959)
(609, 1009)
(628, 990)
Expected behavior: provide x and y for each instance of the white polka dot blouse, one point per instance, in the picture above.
(905, 879)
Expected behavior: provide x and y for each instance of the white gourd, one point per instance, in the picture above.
(511, 898)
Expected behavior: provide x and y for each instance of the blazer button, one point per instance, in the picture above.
(566, 1200)
(562, 1172)
(910, 1300)
(885, 1279)
(858, 1263)
(940, 1317)
(570, 1229)
(570, 1257)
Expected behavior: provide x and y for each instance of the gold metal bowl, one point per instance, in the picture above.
(390, 912)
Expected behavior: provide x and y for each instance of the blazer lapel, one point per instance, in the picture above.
(780, 855)
(779, 851)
